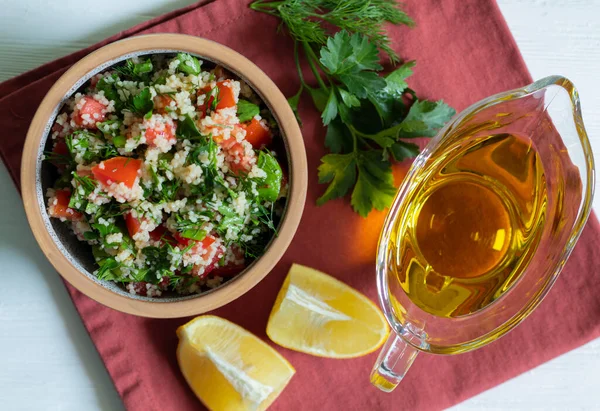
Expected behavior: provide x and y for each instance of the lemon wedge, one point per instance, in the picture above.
(229, 368)
(316, 314)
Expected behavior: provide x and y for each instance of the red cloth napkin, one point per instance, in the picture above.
(464, 52)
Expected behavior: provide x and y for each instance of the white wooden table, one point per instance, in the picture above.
(48, 362)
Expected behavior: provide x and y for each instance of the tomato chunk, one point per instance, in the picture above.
(161, 102)
(236, 157)
(60, 148)
(59, 206)
(164, 131)
(117, 170)
(133, 224)
(161, 233)
(203, 271)
(185, 242)
(226, 96)
(231, 269)
(257, 134)
(90, 112)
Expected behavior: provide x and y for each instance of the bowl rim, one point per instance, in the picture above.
(281, 110)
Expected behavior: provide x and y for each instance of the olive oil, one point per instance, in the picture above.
(470, 225)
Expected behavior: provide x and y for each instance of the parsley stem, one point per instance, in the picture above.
(354, 139)
(309, 52)
(298, 66)
(260, 5)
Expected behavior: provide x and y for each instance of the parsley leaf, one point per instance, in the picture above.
(331, 108)
(159, 259)
(401, 150)
(247, 110)
(425, 118)
(362, 83)
(231, 222)
(135, 71)
(396, 80)
(194, 234)
(349, 54)
(340, 171)
(187, 129)
(83, 186)
(107, 84)
(338, 138)
(188, 64)
(293, 102)
(105, 230)
(107, 268)
(349, 99)
(375, 185)
(319, 97)
(350, 58)
(142, 103)
(269, 187)
(142, 68)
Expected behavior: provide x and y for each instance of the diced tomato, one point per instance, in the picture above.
(204, 90)
(237, 159)
(231, 269)
(203, 108)
(166, 133)
(84, 172)
(257, 134)
(208, 241)
(117, 170)
(185, 242)
(164, 283)
(139, 288)
(206, 244)
(93, 108)
(158, 233)
(161, 102)
(60, 148)
(210, 267)
(57, 128)
(182, 240)
(61, 209)
(161, 233)
(133, 224)
(226, 96)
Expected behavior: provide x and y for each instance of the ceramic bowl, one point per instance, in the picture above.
(73, 259)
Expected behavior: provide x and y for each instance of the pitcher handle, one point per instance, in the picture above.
(393, 363)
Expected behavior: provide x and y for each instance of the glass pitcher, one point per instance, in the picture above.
(544, 116)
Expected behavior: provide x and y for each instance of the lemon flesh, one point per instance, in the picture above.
(316, 314)
(229, 368)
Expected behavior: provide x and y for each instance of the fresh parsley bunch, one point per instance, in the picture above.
(368, 116)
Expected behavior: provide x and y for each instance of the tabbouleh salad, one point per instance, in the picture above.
(166, 170)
